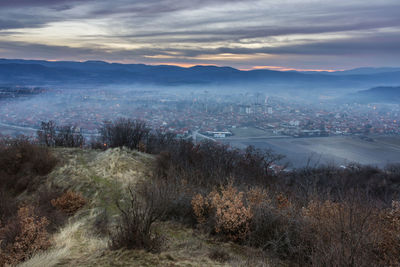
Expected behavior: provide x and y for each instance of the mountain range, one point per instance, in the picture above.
(66, 73)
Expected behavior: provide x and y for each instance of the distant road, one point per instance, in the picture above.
(21, 128)
(196, 133)
(233, 138)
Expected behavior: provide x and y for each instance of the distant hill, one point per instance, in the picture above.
(364, 71)
(376, 95)
(357, 71)
(66, 73)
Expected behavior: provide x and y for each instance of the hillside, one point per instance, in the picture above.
(186, 204)
(99, 176)
(376, 95)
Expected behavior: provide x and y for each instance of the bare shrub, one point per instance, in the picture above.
(138, 212)
(159, 141)
(101, 224)
(276, 225)
(8, 205)
(52, 135)
(208, 164)
(70, 202)
(47, 133)
(22, 237)
(124, 132)
(342, 233)
(277, 231)
(178, 201)
(22, 162)
(69, 136)
(334, 183)
(96, 143)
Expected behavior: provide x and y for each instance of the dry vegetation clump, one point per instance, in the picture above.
(22, 236)
(388, 245)
(337, 233)
(22, 164)
(219, 255)
(201, 208)
(276, 226)
(141, 208)
(257, 196)
(70, 202)
(52, 135)
(208, 164)
(179, 195)
(351, 233)
(124, 132)
(227, 210)
(24, 229)
(41, 200)
(8, 205)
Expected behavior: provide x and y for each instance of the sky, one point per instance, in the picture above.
(245, 34)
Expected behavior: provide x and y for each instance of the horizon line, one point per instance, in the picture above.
(191, 65)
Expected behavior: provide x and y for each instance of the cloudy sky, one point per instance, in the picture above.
(246, 34)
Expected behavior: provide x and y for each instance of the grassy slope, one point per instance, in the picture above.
(100, 177)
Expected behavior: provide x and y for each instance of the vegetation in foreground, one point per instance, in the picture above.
(187, 204)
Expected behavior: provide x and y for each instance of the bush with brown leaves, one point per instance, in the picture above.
(70, 202)
(23, 236)
(230, 212)
(388, 245)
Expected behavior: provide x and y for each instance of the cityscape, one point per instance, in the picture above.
(214, 115)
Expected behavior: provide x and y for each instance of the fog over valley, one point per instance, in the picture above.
(320, 124)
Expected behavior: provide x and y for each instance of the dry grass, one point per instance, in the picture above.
(64, 242)
(185, 247)
(83, 167)
(72, 244)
